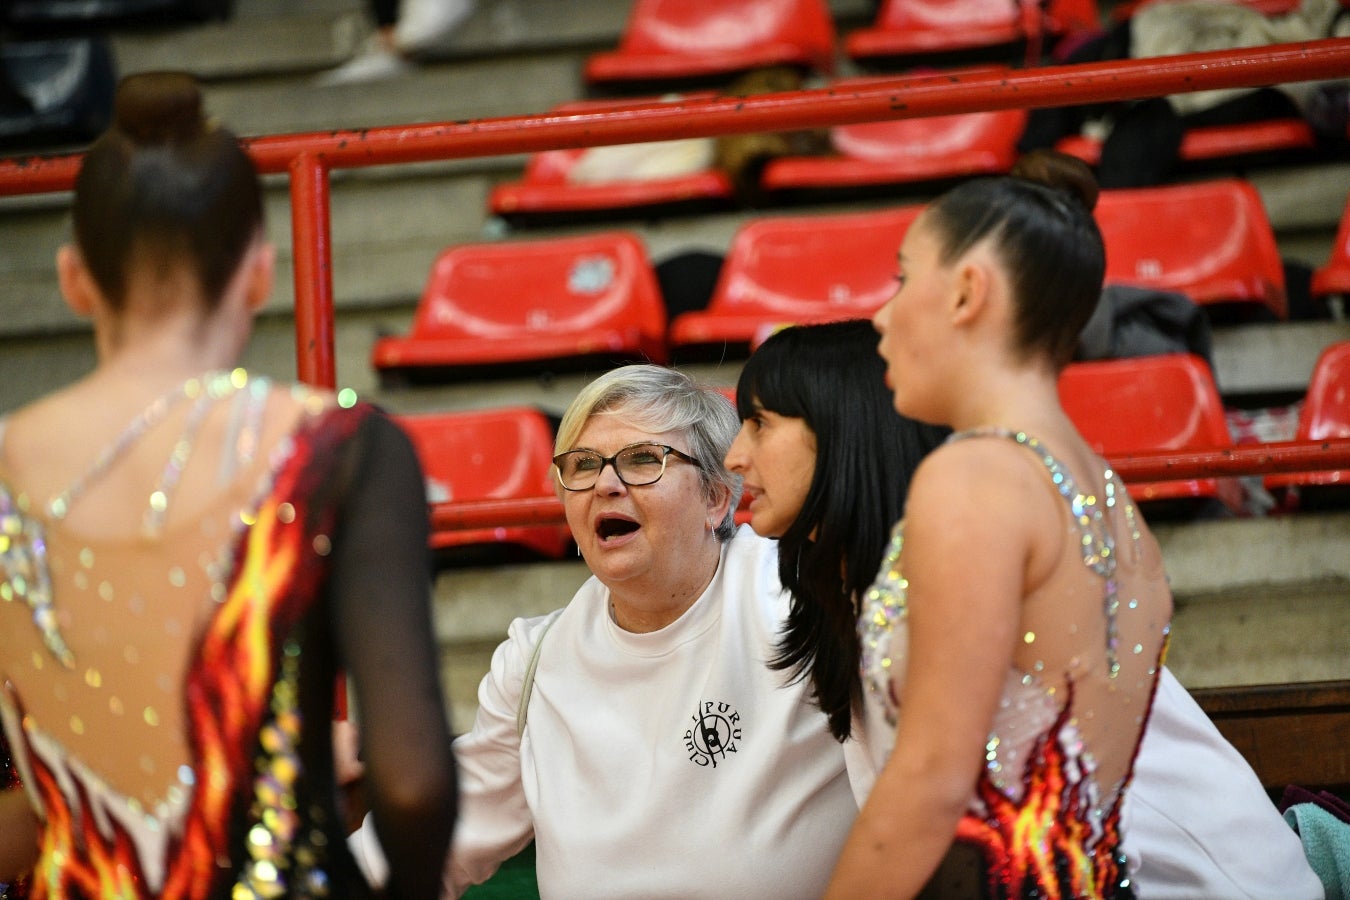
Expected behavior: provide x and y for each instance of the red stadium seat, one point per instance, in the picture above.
(1215, 142)
(499, 454)
(1148, 403)
(1334, 277)
(1210, 241)
(904, 150)
(528, 301)
(548, 186)
(906, 28)
(1325, 414)
(798, 270)
(670, 40)
(1069, 16)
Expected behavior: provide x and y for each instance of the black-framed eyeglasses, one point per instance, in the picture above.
(636, 464)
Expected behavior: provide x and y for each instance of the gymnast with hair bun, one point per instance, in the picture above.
(189, 553)
(1015, 634)
(826, 463)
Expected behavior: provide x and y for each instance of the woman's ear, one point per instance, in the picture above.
(719, 504)
(971, 294)
(76, 282)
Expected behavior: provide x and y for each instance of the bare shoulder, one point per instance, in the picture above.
(976, 470)
(984, 492)
(39, 434)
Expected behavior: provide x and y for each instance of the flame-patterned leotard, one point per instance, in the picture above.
(1040, 823)
(167, 694)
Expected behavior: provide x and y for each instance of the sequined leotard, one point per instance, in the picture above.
(1042, 824)
(168, 695)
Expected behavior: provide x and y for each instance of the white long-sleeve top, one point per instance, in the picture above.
(669, 764)
(1197, 824)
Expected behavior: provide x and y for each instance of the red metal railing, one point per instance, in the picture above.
(308, 159)
(1254, 459)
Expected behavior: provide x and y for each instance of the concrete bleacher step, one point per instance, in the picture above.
(268, 37)
(446, 92)
(273, 37)
(1275, 361)
(303, 39)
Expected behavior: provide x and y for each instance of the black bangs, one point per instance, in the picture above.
(772, 380)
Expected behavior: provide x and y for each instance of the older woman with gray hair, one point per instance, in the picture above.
(637, 734)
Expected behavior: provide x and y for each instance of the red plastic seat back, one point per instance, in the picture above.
(799, 270)
(936, 137)
(904, 27)
(1148, 403)
(1211, 241)
(1164, 402)
(703, 26)
(1061, 15)
(907, 27)
(809, 266)
(1064, 16)
(1334, 277)
(498, 454)
(512, 291)
(717, 36)
(901, 151)
(1325, 414)
(1326, 409)
(953, 15)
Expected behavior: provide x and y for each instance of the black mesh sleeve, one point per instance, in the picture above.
(382, 621)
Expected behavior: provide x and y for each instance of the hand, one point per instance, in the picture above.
(350, 773)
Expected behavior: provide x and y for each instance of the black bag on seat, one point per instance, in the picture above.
(1134, 321)
(54, 91)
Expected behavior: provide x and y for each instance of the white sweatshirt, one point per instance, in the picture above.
(669, 764)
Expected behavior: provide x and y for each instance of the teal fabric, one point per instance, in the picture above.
(515, 880)
(1326, 843)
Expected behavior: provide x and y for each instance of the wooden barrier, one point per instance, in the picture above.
(1296, 733)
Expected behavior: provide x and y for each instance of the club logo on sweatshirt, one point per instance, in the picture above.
(715, 731)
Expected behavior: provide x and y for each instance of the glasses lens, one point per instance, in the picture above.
(641, 463)
(578, 468)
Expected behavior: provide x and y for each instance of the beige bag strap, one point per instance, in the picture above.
(527, 688)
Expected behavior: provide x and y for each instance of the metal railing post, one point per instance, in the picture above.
(312, 254)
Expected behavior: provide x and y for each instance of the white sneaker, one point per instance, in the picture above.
(423, 24)
(374, 62)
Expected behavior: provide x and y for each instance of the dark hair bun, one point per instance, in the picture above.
(159, 108)
(1061, 171)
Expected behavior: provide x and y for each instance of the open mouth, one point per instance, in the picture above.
(610, 527)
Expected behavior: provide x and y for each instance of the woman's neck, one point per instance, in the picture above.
(173, 347)
(643, 611)
(1025, 398)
